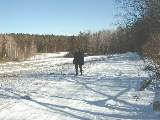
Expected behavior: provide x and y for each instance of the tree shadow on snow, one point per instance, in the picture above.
(67, 110)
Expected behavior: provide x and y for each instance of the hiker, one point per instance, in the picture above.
(78, 60)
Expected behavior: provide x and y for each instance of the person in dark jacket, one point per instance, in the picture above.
(78, 60)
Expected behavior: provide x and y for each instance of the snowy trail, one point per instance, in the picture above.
(107, 90)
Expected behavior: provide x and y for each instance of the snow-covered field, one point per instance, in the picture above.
(44, 88)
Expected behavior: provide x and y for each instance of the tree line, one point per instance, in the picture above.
(21, 46)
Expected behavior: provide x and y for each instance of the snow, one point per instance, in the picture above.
(44, 87)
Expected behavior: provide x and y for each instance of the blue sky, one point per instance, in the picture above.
(65, 17)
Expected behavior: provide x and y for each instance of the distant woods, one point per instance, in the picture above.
(21, 46)
(16, 47)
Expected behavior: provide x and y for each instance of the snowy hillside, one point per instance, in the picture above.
(44, 87)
